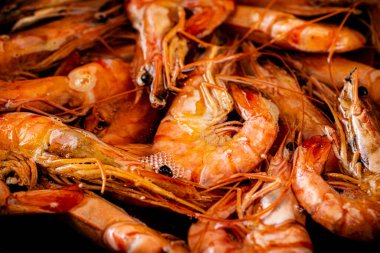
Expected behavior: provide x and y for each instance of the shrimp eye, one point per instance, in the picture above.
(291, 146)
(146, 78)
(165, 170)
(101, 17)
(362, 91)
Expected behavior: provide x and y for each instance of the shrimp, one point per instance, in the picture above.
(281, 229)
(317, 66)
(202, 144)
(158, 23)
(64, 151)
(113, 228)
(25, 13)
(95, 217)
(287, 31)
(351, 213)
(361, 123)
(301, 7)
(38, 48)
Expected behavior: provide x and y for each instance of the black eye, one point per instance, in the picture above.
(165, 170)
(362, 91)
(291, 146)
(101, 17)
(146, 78)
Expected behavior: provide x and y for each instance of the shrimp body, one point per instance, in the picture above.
(301, 7)
(113, 228)
(36, 49)
(352, 214)
(195, 132)
(82, 87)
(287, 31)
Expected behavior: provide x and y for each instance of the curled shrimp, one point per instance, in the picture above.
(287, 31)
(158, 23)
(201, 143)
(39, 48)
(280, 228)
(350, 213)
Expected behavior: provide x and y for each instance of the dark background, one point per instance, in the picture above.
(49, 233)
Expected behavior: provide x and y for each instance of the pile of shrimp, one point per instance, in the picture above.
(251, 118)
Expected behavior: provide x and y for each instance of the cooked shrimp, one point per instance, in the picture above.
(206, 147)
(287, 31)
(158, 22)
(65, 151)
(38, 48)
(317, 66)
(352, 213)
(113, 228)
(82, 87)
(25, 13)
(300, 7)
(281, 229)
(361, 124)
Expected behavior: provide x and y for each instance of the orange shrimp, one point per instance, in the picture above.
(158, 23)
(351, 213)
(38, 48)
(114, 229)
(65, 151)
(25, 13)
(202, 144)
(73, 94)
(281, 228)
(361, 124)
(287, 31)
(300, 7)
